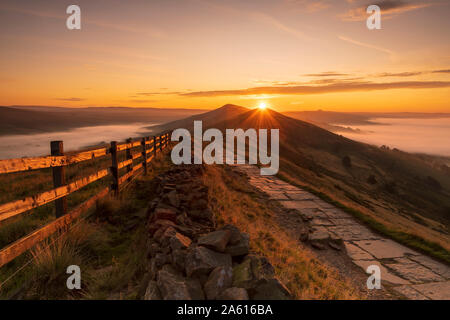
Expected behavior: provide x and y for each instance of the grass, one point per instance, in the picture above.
(297, 267)
(411, 240)
(108, 243)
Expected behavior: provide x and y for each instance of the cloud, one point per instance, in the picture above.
(366, 45)
(70, 99)
(326, 74)
(142, 101)
(267, 19)
(399, 74)
(442, 71)
(312, 5)
(147, 94)
(116, 25)
(389, 9)
(321, 89)
(409, 74)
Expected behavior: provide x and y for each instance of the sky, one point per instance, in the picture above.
(290, 54)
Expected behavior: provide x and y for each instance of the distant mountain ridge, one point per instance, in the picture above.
(29, 119)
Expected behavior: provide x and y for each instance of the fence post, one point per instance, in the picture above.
(59, 177)
(154, 146)
(114, 168)
(144, 154)
(129, 156)
(160, 143)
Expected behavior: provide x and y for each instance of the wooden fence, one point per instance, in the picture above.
(58, 162)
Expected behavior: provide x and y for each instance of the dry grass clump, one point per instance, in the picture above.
(303, 274)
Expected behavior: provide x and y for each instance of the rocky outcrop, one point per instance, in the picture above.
(190, 258)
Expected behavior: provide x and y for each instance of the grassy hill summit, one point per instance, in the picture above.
(397, 193)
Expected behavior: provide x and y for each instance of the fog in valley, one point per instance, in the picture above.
(430, 136)
(17, 146)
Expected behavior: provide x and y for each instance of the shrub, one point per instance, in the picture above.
(347, 162)
(372, 179)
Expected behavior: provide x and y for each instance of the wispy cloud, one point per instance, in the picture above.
(73, 99)
(410, 73)
(312, 5)
(321, 89)
(267, 19)
(442, 71)
(389, 9)
(148, 94)
(326, 74)
(367, 45)
(398, 74)
(154, 33)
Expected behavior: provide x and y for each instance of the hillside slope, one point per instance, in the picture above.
(397, 189)
(209, 118)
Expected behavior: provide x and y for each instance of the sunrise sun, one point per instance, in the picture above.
(262, 105)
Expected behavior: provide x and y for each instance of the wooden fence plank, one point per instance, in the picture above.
(129, 161)
(129, 174)
(136, 155)
(150, 158)
(35, 163)
(20, 246)
(25, 164)
(128, 145)
(124, 163)
(86, 155)
(14, 208)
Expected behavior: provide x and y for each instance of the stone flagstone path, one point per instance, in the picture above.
(408, 272)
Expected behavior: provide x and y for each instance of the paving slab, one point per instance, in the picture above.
(414, 272)
(276, 195)
(356, 253)
(312, 213)
(316, 221)
(343, 221)
(385, 248)
(411, 274)
(386, 275)
(299, 204)
(437, 267)
(410, 293)
(353, 232)
(300, 196)
(435, 291)
(324, 205)
(335, 213)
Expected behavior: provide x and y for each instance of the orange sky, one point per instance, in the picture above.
(292, 54)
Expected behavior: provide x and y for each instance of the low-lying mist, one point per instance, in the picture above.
(17, 146)
(430, 136)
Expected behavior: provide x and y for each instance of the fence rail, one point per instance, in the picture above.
(58, 161)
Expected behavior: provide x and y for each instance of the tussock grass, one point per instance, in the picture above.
(109, 246)
(297, 267)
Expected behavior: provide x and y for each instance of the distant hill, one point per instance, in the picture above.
(396, 188)
(29, 119)
(336, 121)
(224, 113)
